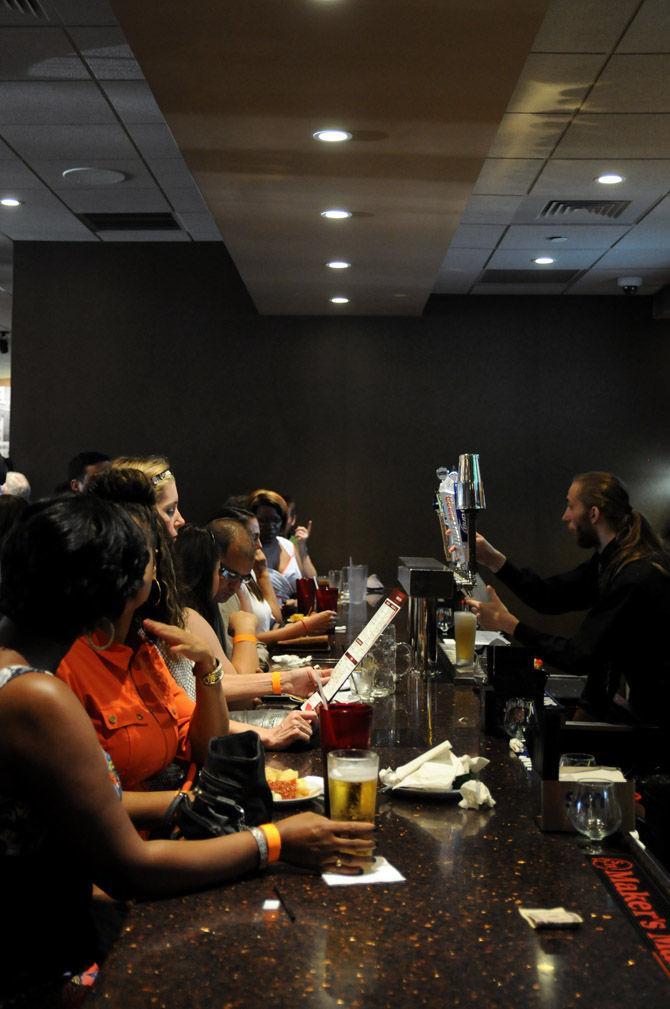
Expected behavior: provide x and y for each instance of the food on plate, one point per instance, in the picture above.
(286, 783)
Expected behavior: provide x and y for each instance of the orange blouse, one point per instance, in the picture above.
(141, 715)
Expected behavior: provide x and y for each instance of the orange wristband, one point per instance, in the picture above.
(276, 681)
(244, 637)
(273, 837)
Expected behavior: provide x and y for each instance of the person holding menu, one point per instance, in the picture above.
(625, 586)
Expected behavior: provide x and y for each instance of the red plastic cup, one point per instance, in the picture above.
(326, 599)
(343, 727)
(305, 590)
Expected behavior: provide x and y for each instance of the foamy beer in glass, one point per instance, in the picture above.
(352, 784)
(465, 625)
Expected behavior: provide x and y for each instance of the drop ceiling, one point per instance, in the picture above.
(468, 119)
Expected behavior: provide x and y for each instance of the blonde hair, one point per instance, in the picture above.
(155, 467)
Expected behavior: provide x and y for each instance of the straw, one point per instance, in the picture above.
(319, 687)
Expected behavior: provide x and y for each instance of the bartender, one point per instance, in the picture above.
(625, 586)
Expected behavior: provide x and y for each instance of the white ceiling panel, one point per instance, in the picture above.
(107, 54)
(633, 258)
(144, 236)
(171, 172)
(200, 227)
(490, 209)
(583, 26)
(467, 260)
(186, 199)
(568, 178)
(630, 136)
(133, 101)
(81, 143)
(523, 135)
(522, 259)
(115, 199)
(14, 174)
(555, 82)
(660, 213)
(651, 234)
(38, 53)
(649, 31)
(39, 103)
(507, 176)
(632, 84)
(604, 283)
(84, 12)
(456, 281)
(154, 140)
(518, 289)
(477, 236)
(577, 236)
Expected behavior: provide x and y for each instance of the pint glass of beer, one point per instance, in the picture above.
(352, 784)
(465, 625)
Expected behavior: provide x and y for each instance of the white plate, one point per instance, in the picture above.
(315, 785)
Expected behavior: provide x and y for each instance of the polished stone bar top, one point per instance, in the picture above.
(450, 936)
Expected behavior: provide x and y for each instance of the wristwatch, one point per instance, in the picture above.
(215, 676)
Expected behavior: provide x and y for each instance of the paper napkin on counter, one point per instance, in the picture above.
(290, 661)
(550, 917)
(434, 770)
(475, 794)
(381, 872)
(590, 774)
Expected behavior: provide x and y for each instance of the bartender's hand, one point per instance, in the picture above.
(492, 615)
(488, 555)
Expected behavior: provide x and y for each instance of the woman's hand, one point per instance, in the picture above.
(315, 622)
(308, 839)
(302, 533)
(492, 615)
(303, 679)
(488, 555)
(295, 727)
(241, 622)
(182, 642)
(260, 563)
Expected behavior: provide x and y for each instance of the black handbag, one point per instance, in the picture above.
(231, 793)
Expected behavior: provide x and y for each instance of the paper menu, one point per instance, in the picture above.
(359, 648)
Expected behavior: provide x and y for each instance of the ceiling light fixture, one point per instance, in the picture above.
(339, 300)
(336, 215)
(332, 136)
(543, 260)
(556, 238)
(609, 179)
(338, 264)
(85, 176)
(10, 201)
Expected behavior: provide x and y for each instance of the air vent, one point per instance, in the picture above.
(26, 8)
(527, 276)
(130, 222)
(598, 208)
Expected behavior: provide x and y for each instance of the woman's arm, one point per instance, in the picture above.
(65, 775)
(313, 623)
(245, 656)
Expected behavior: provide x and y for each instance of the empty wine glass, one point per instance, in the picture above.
(594, 811)
(571, 760)
(516, 717)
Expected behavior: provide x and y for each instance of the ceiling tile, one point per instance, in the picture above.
(464, 260)
(133, 101)
(84, 12)
(38, 53)
(652, 234)
(48, 143)
(583, 26)
(522, 259)
(507, 176)
(144, 236)
(154, 141)
(573, 178)
(172, 171)
(490, 209)
(522, 135)
(632, 259)
(604, 283)
(138, 176)
(114, 199)
(578, 236)
(107, 53)
(454, 282)
(186, 199)
(661, 212)
(625, 136)
(37, 103)
(477, 236)
(555, 82)
(200, 227)
(633, 84)
(650, 30)
(16, 174)
(517, 289)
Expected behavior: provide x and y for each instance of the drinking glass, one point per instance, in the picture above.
(335, 579)
(594, 811)
(352, 784)
(358, 580)
(305, 591)
(465, 627)
(343, 726)
(326, 598)
(516, 717)
(377, 674)
(576, 760)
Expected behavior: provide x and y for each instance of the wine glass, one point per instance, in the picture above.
(594, 811)
(515, 718)
(569, 760)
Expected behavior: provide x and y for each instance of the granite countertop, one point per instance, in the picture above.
(449, 936)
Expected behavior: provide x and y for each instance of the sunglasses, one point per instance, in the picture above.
(234, 576)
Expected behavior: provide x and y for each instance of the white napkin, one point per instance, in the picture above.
(381, 872)
(434, 770)
(475, 794)
(289, 661)
(550, 917)
(590, 774)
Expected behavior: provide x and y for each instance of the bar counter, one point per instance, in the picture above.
(451, 935)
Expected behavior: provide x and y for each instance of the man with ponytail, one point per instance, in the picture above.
(625, 586)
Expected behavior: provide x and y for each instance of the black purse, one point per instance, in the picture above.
(231, 793)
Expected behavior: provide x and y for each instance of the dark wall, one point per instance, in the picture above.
(142, 348)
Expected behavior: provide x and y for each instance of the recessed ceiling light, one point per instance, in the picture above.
(609, 179)
(10, 201)
(85, 176)
(543, 260)
(556, 238)
(338, 300)
(332, 136)
(336, 215)
(338, 264)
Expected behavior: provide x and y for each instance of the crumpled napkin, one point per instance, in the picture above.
(290, 661)
(434, 771)
(475, 794)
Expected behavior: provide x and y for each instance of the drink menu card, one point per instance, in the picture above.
(359, 648)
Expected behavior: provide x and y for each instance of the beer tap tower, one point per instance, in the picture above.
(470, 499)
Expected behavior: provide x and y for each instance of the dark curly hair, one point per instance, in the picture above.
(134, 491)
(196, 555)
(69, 562)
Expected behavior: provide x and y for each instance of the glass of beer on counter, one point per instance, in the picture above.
(352, 784)
(465, 626)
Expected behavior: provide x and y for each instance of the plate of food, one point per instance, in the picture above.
(290, 790)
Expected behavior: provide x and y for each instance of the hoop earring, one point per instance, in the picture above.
(157, 584)
(110, 640)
